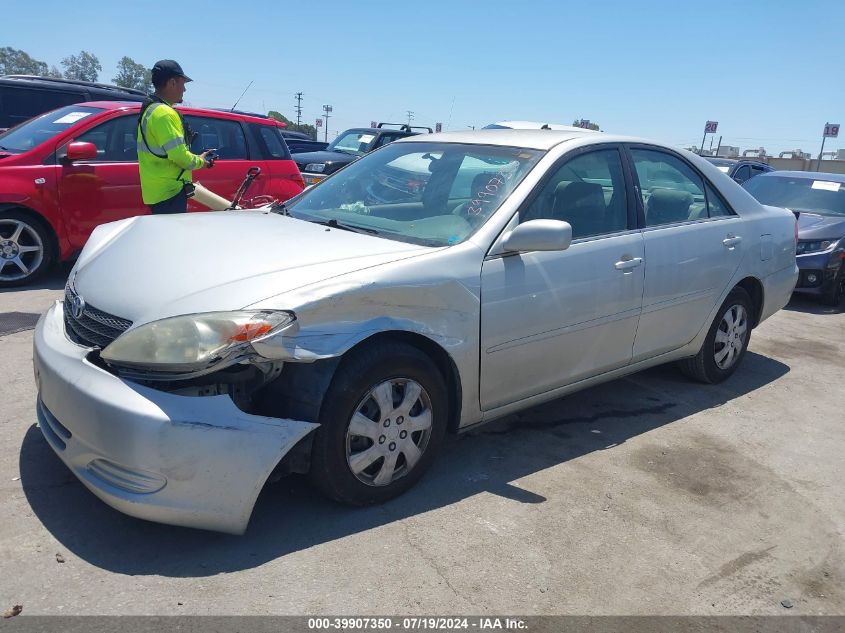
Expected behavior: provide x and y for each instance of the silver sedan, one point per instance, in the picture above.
(433, 285)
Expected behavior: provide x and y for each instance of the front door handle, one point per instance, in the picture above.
(629, 263)
(731, 240)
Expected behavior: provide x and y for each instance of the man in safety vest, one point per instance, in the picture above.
(165, 160)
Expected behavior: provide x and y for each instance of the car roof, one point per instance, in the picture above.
(534, 125)
(222, 114)
(60, 83)
(532, 139)
(805, 175)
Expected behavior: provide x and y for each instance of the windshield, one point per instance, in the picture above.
(357, 143)
(799, 194)
(32, 133)
(434, 194)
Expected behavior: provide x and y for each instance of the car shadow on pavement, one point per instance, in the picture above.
(811, 305)
(54, 279)
(289, 516)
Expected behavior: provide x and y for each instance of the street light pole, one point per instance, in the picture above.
(327, 109)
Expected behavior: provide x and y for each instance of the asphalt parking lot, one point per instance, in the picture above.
(647, 495)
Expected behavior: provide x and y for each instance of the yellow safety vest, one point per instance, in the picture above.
(164, 160)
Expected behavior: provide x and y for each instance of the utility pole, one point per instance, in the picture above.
(327, 109)
(410, 116)
(299, 108)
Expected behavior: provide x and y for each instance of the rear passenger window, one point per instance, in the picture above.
(715, 204)
(671, 191)
(588, 192)
(743, 173)
(227, 137)
(270, 142)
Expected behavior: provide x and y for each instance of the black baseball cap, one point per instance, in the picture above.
(167, 68)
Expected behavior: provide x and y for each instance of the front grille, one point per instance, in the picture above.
(94, 328)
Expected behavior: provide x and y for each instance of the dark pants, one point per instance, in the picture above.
(176, 204)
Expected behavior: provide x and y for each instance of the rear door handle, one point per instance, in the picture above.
(731, 240)
(628, 264)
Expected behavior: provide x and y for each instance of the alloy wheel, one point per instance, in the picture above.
(21, 250)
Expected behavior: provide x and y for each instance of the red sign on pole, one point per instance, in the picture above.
(831, 130)
(710, 127)
(319, 122)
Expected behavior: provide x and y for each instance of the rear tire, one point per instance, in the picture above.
(26, 248)
(381, 422)
(726, 342)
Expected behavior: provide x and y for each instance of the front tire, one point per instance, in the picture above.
(26, 250)
(726, 341)
(381, 422)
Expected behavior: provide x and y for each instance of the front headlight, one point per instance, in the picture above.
(813, 246)
(194, 342)
(318, 168)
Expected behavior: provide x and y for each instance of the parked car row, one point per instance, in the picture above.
(437, 283)
(347, 147)
(819, 201)
(65, 172)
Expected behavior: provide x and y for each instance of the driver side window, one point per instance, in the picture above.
(588, 192)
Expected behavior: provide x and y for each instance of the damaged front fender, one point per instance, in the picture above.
(191, 461)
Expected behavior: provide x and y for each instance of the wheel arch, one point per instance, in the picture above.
(754, 288)
(299, 390)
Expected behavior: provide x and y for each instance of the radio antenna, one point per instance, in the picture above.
(241, 97)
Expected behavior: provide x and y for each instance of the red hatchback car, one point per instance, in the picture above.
(67, 171)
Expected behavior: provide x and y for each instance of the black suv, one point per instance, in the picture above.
(740, 169)
(25, 96)
(347, 147)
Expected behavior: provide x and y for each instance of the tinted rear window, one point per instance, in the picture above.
(17, 104)
(269, 141)
(36, 131)
(799, 194)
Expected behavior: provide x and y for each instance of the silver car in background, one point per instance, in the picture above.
(435, 284)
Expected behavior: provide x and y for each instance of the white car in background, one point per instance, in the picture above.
(195, 356)
(534, 125)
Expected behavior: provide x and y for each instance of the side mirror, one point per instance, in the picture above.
(539, 235)
(81, 151)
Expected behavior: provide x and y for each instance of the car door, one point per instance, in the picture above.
(553, 318)
(104, 189)
(234, 159)
(693, 246)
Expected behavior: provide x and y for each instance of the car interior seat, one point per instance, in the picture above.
(666, 206)
(582, 205)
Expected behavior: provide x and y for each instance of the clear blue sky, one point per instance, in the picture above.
(769, 71)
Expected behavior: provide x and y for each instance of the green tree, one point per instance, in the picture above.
(310, 130)
(131, 74)
(83, 67)
(17, 62)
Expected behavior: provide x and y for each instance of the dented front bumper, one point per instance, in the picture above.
(191, 461)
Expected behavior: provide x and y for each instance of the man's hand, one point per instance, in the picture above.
(208, 158)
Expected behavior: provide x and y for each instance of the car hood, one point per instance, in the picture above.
(152, 267)
(816, 226)
(331, 158)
